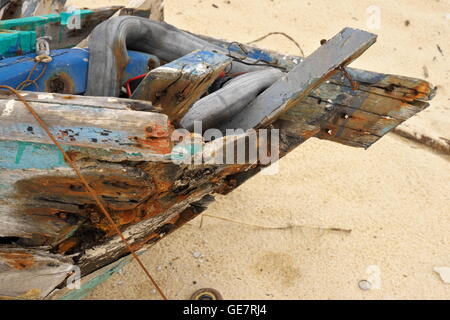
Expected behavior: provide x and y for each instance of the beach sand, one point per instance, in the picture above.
(289, 235)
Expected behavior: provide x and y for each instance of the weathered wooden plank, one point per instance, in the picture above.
(342, 116)
(404, 88)
(367, 101)
(86, 101)
(50, 213)
(147, 232)
(342, 124)
(89, 127)
(369, 111)
(31, 273)
(347, 136)
(175, 86)
(298, 83)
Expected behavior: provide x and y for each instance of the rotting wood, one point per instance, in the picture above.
(175, 86)
(87, 126)
(298, 83)
(86, 101)
(169, 194)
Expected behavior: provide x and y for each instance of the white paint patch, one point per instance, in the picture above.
(112, 100)
(45, 96)
(9, 108)
(169, 69)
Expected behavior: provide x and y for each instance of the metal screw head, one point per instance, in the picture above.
(206, 294)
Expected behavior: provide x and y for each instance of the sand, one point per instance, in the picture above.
(394, 197)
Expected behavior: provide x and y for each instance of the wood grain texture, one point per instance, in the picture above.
(86, 126)
(87, 101)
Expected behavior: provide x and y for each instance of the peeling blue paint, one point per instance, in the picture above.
(197, 63)
(72, 63)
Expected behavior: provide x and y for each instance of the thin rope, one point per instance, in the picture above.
(85, 183)
(27, 82)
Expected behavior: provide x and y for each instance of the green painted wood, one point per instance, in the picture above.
(18, 36)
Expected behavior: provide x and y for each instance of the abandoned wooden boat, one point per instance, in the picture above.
(130, 151)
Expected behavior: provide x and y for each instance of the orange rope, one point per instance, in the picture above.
(88, 188)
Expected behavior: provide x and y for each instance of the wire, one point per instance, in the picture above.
(86, 184)
(256, 63)
(127, 84)
(282, 34)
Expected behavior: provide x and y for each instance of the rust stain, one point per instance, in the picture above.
(171, 225)
(158, 145)
(156, 138)
(309, 133)
(145, 211)
(423, 90)
(60, 82)
(157, 131)
(18, 260)
(66, 245)
(111, 186)
(122, 60)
